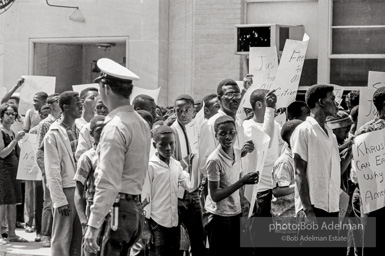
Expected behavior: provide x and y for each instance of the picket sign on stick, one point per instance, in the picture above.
(289, 71)
(338, 92)
(367, 110)
(28, 169)
(80, 87)
(154, 93)
(32, 85)
(255, 163)
(369, 160)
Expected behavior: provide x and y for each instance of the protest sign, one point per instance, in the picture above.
(255, 162)
(367, 110)
(28, 169)
(80, 87)
(369, 160)
(137, 91)
(281, 119)
(263, 64)
(289, 71)
(32, 85)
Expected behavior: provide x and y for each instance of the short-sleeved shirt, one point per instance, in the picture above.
(283, 176)
(323, 173)
(85, 172)
(227, 170)
(32, 119)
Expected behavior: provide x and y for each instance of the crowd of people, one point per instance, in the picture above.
(124, 179)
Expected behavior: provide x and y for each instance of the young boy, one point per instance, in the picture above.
(223, 202)
(85, 180)
(282, 204)
(165, 175)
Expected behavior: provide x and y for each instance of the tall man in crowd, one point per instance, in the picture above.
(123, 160)
(60, 166)
(88, 97)
(47, 217)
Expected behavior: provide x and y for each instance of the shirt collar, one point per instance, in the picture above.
(155, 159)
(113, 113)
(226, 158)
(314, 122)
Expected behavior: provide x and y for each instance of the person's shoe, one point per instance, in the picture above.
(38, 238)
(4, 235)
(28, 229)
(45, 241)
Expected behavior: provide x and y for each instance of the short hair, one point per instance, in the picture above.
(354, 113)
(185, 97)
(208, 98)
(288, 128)
(317, 92)
(83, 93)
(294, 109)
(5, 106)
(16, 98)
(66, 98)
(225, 82)
(223, 120)
(354, 98)
(51, 97)
(118, 86)
(141, 101)
(146, 116)
(162, 130)
(160, 123)
(42, 95)
(257, 95)
(44, 107)
(379, 98)
(96, 121)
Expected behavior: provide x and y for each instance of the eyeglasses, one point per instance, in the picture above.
(11, 114)
(52, 102)
(231, 95)
(99, 107)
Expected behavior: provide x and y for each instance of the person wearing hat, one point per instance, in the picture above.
(123, 151)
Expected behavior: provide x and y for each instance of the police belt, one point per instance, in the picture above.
(135, 198)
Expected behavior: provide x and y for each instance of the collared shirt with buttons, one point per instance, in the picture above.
(161, 186)
(123, 151)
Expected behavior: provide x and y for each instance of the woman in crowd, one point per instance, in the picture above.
(10, 190)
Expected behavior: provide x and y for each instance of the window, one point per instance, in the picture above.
(357, 41)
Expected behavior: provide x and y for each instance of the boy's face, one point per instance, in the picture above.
(97, 131)
(212, 108)
(100, 108)
(226, 134)
(37, 102)
(165, 145)
(90, 100)
(330, 107)
(44, 113)
(342, 133)
(184, 111)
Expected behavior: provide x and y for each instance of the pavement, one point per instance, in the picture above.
(24, 249)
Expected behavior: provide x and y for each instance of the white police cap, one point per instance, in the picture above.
(111, 69)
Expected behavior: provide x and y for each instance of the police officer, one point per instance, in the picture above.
(123, 160)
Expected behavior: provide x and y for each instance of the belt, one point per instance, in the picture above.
(128, 197)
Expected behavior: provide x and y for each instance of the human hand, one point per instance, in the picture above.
(20, 82)
(250, 178)
(271, 99)
(90, 240)
(248, 147)
(19, 135)
(64, 210)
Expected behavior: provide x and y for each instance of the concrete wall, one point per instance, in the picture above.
(137, 19)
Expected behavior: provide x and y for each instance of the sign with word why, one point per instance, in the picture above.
(32, 85)
(80, 87)
(263, 65)
(28, 169)
(367, 111)
(154, 93)
(289, 71)
(369, 161)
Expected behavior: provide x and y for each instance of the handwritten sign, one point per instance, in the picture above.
(137, 91)
(28, 169)
(367, 110)
(369, 160)
(32, 85)
(255, 162)
(289, 71)
(263, 65)
(80, 87)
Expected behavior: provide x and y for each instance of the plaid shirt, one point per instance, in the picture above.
(374, 125)
(73, 137)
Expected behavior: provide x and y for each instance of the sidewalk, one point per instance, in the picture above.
(24, 249)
